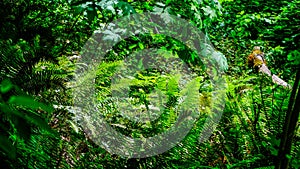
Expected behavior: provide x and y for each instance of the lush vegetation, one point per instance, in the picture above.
(41, 49)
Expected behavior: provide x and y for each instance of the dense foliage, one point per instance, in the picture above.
(40, 48)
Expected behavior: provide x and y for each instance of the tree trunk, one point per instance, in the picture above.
(289, 127)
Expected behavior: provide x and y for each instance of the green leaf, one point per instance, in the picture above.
(288, 156)
(274, 152)
(91, 13)
(38, 121)
(168, 2)
(132, 46)
(140, 64)
(78, 10)
(6, 86)
(74, 126)
(126, 7)
(29, 102)
(141, 45)
(294, 56)
(22, 126)
(7, 147)
(248, 20)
